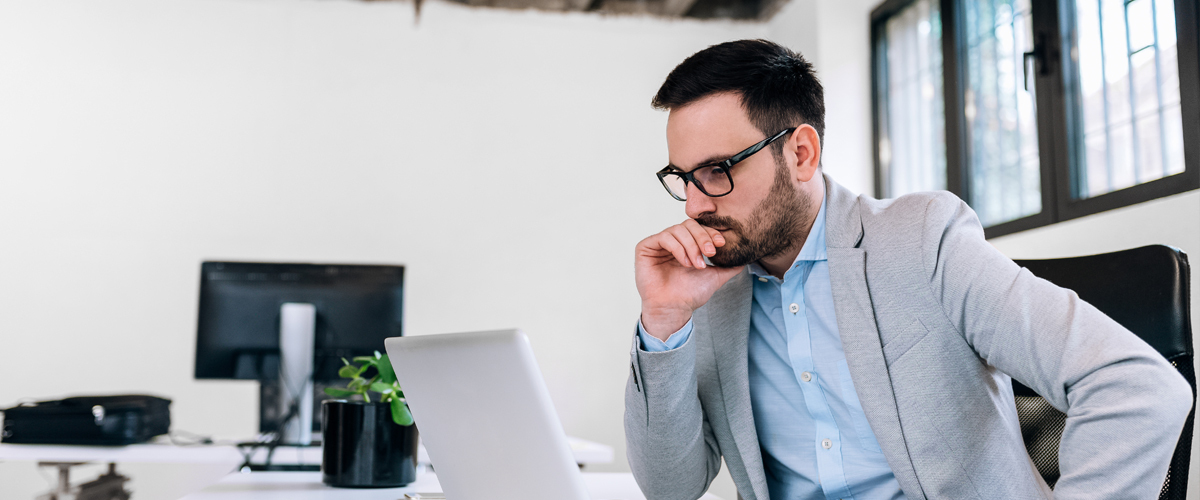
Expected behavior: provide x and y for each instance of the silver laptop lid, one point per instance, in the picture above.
(485, 416)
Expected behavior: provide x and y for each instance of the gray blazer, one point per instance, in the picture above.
(933, 322)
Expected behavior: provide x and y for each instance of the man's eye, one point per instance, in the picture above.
(716, 171)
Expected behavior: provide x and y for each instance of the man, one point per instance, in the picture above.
(840, 346)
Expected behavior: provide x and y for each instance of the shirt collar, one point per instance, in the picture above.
(812, 251)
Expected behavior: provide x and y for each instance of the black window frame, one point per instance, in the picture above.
(1057, 111)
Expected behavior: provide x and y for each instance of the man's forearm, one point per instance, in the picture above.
(1121, 431)
(670, 451)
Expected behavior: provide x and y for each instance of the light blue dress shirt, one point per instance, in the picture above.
(814, 437)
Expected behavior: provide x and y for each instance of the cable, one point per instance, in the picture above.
(293, 411)
(185, 438)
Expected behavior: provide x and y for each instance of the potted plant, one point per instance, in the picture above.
(369, 440)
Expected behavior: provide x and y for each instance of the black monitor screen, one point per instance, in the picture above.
(238, 327)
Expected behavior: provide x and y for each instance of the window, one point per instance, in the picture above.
(1036, 112)
(999, 111)
(1127, 83)
(912, 150)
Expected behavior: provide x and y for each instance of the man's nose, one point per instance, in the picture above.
(698, 202)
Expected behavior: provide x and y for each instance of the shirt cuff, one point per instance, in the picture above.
(677, 339)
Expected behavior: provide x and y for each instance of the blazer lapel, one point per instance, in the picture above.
(728, 320)
(860, 334)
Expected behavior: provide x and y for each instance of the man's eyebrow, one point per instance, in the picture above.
(712, 160)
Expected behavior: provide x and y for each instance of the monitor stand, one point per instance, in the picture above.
(297, 335)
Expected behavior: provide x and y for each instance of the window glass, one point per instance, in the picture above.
(1004, 171)
(1127, 81)
(912, 139)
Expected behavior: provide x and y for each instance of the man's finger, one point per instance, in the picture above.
(718, 238)
(704, 238)
(671, 244)
(688, 240)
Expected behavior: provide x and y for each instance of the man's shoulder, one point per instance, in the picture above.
(908, 217)
(914, 206)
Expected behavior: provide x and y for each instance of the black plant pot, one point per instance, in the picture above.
(364, 448)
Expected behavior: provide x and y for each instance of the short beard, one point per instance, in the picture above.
(774, 226)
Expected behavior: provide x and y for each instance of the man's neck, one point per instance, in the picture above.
(779, 264)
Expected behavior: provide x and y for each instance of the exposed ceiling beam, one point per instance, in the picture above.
(628, 7)
(760, 9)
(578, 4)
(551, 5)
(676, 8)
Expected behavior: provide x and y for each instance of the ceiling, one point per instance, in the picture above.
(695, 9)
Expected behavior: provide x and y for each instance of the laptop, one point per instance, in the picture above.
(485, 416)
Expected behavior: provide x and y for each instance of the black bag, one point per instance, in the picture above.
(88, 420)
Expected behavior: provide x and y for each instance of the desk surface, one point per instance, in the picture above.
(308, 486)
(149, 453)
(586, 452)
(206, 464)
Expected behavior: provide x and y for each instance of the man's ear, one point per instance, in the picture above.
(805, 147)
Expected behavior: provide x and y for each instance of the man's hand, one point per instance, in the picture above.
(672, 277)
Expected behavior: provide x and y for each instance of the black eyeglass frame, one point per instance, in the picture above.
(690, 177)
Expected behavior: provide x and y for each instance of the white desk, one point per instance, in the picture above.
(157, 470)
(194, 467)
(141, 453)
(585, 452)
(308, 486)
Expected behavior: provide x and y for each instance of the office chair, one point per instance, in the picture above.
(1145, 290)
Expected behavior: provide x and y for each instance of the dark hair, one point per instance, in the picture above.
(778, 88)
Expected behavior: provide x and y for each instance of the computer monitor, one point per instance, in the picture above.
(320, 313)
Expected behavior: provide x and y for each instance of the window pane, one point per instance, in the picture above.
(1000, 113)
(912, 148)
(1127, 82)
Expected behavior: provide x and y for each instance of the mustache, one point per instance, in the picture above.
(716, 221)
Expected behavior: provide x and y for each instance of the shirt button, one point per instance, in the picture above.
(762, 279)
(794, 308)
(807, 377)
(827, 444)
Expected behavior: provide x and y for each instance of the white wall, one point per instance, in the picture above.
(505, 157)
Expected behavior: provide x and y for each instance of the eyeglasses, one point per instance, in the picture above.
(714, 180)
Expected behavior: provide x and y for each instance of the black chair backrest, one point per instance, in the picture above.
(1145, 290)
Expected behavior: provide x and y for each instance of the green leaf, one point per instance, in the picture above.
(386, 373)
(381, 387)
(368, 359)
(377, 355)
(339, 393)
(348, 371)
(363, 369)
(400, 413)
(344, 361)
(357, 384)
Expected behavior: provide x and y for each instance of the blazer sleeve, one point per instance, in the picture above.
(1125, 404)
(671, 448)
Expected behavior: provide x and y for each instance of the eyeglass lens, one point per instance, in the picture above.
(714, 181)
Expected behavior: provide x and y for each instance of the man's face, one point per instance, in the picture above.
(765, 213)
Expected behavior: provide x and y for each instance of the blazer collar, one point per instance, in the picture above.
(843, 224)
(860, 334)
(727, 318)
